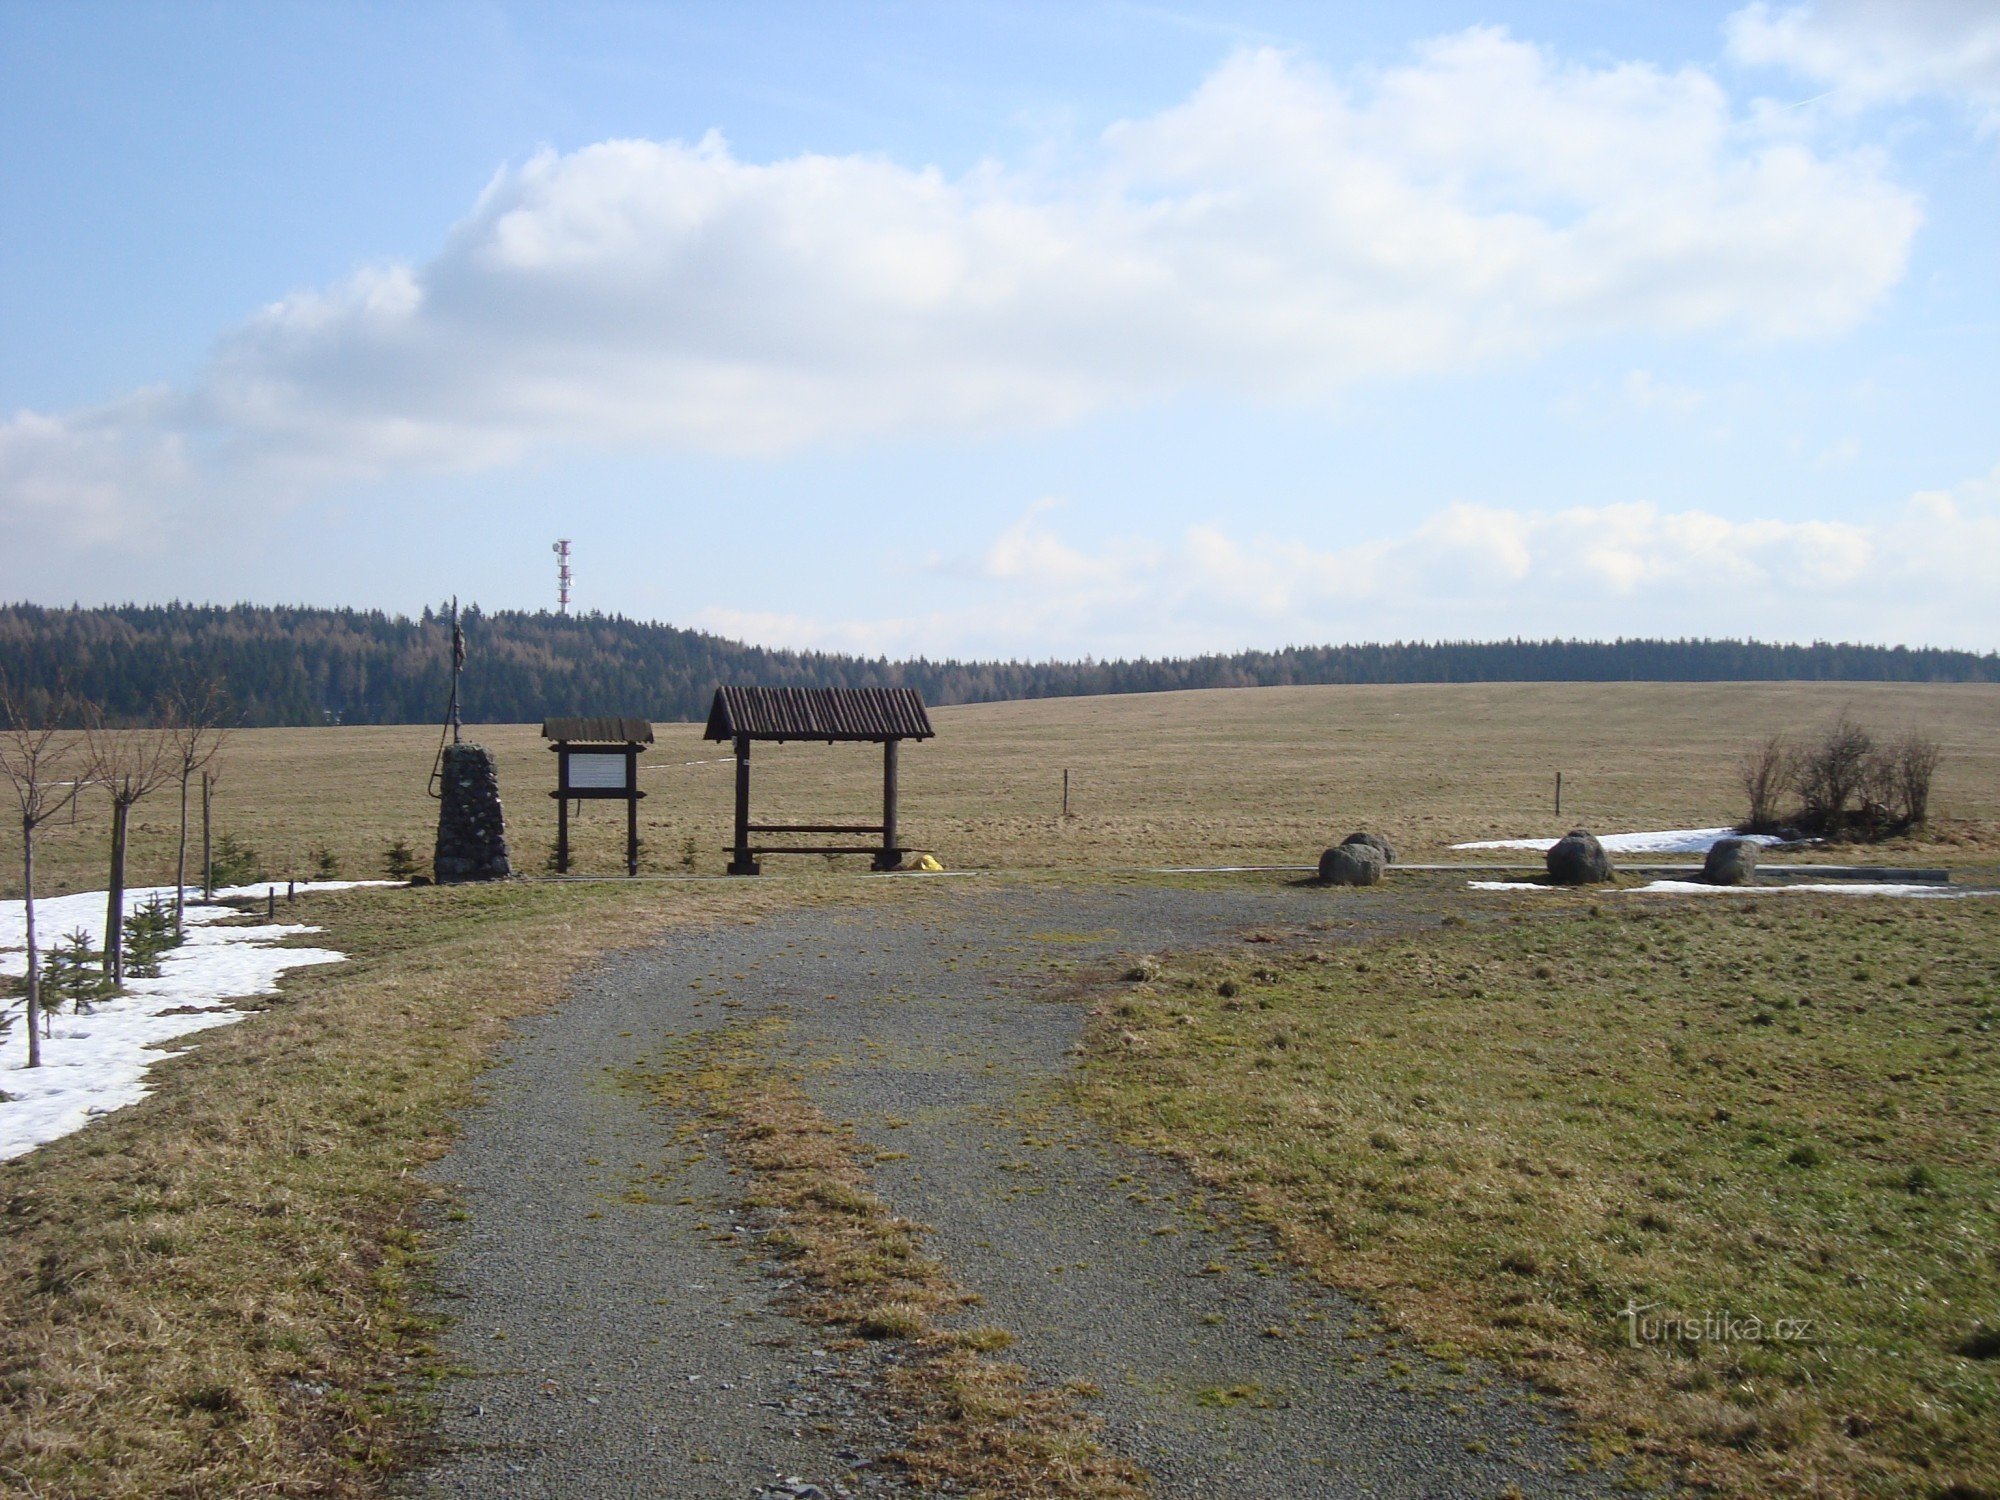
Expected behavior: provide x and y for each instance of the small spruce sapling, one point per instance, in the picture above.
(149, 932)
(399, 861)
(73, 976)
(234, 862)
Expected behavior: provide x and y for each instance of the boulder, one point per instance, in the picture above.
(1374, 841)
(1351, 864)
(1731, 862)
(1578, 859)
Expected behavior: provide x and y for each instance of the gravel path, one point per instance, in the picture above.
(622, 1329)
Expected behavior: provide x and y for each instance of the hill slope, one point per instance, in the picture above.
(295, 666)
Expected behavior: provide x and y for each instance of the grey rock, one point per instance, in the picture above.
(1351, 864)
(1374, 841)
(1578, 859)
(1731, 862)
(472, 829)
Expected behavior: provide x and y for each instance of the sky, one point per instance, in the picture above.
(1017, 330)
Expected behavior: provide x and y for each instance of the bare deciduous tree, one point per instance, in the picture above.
(133, 763)
(1832, 770)
(1766, 773)
(1917, 756)
(194, 717)
(47, 766)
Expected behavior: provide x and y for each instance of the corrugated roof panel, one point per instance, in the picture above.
(600, 731)
(818, 714)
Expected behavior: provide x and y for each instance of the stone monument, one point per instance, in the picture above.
(472, 830)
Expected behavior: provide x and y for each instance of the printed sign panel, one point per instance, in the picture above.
(597, 772)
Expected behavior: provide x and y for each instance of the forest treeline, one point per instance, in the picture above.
(294, 666)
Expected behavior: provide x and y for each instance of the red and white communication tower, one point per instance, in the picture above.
(561, 550)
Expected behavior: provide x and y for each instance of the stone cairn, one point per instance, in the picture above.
(472, 830)
(1578, 859)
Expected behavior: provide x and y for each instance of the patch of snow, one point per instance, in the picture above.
(58, 916)
(1656, 841)
(96, 1062)
(1824, 888)
(1699, 888)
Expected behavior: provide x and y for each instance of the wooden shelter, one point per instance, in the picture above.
(876, 716)
(597, 759)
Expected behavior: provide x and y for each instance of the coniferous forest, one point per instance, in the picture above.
(285, 665)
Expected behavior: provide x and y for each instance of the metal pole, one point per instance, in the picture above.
(457, 666)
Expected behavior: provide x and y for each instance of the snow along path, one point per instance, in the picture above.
(1657, 841)
(96, 1061)
(616, 1314)
(1702, 888)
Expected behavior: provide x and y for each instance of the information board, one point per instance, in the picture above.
(597, 772)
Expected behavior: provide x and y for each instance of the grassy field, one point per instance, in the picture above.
(1594, 1139)
(1500, 1132)
(1235, 776)
(211, 1292)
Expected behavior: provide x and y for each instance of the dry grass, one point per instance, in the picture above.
(1232, 776)
(977, 1426)
(210, 1292)
(1502, 1132)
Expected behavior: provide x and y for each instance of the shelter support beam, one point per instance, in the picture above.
(743, 862)
(891, 855)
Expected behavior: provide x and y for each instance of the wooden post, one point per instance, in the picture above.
(207, 849)
(631, 835)
(742, 863)
(562, 830)
(1559, 794)
(1065, 791)
(891, 855)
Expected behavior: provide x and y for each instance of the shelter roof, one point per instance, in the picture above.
(875, 714)
(602, 731)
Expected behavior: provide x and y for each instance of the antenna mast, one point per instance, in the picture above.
(561, 550)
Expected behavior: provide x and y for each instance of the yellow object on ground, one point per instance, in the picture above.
(928, 863)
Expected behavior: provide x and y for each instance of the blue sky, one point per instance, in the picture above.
(1010, 329)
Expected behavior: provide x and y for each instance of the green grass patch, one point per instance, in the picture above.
(217, 1291)
(1726, 1176)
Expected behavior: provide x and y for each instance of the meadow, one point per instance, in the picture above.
(1724, 1177)
(1228, 776)
(1497, 1130)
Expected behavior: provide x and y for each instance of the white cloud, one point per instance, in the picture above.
(70, 480)
(1646, 392)
(1921, 573)
(1880, 51)
(1282, 234)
